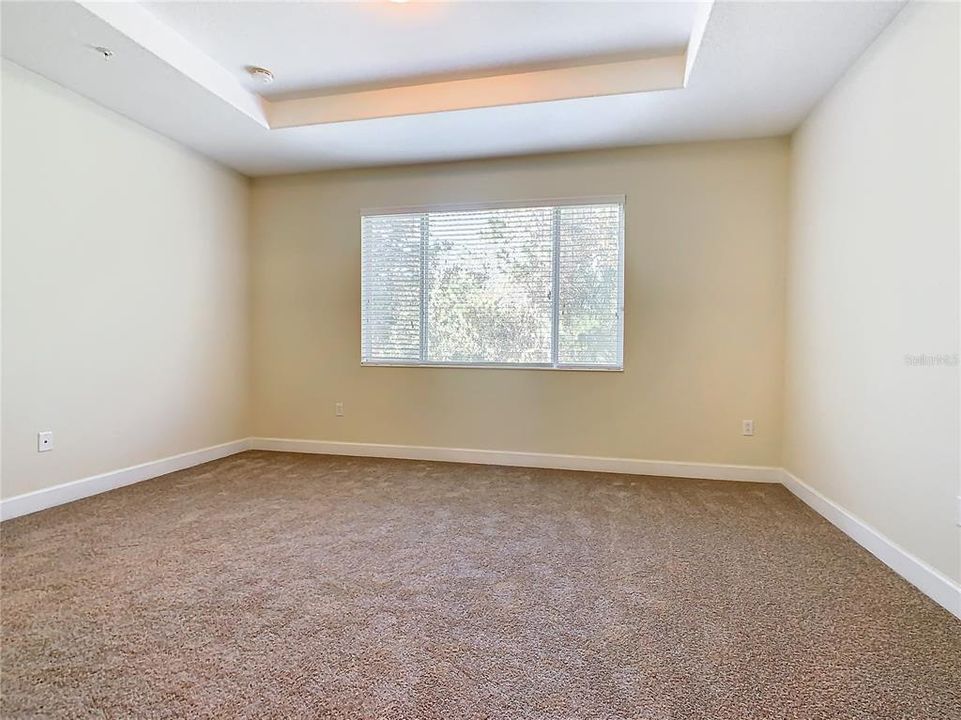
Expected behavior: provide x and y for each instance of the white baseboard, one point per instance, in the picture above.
(77, 489)
(931, 582)
(85, 487)
(705, 471)
(937, 586)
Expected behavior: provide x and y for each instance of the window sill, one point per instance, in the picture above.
(494, 366)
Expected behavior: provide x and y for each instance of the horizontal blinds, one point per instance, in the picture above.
(535, 286)
(391, 280)
(589, 329)
(488, 286)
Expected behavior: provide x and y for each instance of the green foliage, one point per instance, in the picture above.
(489, 285)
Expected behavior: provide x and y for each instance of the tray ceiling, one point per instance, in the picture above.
(375, 83)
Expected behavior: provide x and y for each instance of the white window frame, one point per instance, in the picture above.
(555, 278)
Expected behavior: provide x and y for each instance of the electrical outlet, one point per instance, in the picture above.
(44, 441)
(747, 427)
(339, 409)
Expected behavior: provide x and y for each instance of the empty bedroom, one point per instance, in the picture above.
(502, 360)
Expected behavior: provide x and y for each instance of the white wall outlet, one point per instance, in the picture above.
(747, 427)
(44, 441)
(339, 409)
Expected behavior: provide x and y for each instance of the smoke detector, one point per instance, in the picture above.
(261, 75)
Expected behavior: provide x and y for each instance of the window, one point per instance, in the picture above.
(528, 285)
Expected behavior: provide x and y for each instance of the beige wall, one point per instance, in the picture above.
(705, 233)
(873, 276)
(124, 291)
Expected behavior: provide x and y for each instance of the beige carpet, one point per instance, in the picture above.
(280, 585)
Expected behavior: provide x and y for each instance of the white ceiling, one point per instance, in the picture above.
(328, 45)
(178, 68)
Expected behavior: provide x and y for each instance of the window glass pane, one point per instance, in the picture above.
(589, 281)
(478, 286)
(489, 286)
(391, 280)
